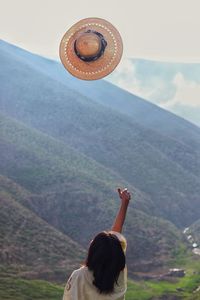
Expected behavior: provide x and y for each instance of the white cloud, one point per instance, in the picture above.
(155, 89)
(187, 92)
(125, 76)
(173, 87)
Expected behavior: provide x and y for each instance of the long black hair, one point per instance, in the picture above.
(105, 259)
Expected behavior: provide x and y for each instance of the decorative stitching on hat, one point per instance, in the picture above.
(101, 70)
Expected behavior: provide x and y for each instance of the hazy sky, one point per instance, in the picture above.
(173, 86)
(153, 29)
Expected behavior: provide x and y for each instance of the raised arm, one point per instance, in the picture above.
(121, 215)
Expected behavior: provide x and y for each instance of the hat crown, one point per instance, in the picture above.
(88, 44)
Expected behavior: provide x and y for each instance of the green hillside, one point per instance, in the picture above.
(64, 188)
(12, 288)
(30, 247)
(32, 153)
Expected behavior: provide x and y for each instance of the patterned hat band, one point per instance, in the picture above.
(102, 43)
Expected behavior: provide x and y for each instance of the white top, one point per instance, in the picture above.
(80, 284)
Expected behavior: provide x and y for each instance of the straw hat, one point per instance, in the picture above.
(91, 49)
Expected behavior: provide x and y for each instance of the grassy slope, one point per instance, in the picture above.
(12, 288)
(20, 289)
(30, 247)
(24, 148)
(153, 289)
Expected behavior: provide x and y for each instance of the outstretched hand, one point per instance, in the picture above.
(124, 195)
(120, 218)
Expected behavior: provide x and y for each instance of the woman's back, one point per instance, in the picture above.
(104, 275)
(80, 287)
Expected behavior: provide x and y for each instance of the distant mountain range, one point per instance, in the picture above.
(66, 145)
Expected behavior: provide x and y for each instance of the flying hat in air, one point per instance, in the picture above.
(91, 49)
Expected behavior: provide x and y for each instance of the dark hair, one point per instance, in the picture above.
(105, 259)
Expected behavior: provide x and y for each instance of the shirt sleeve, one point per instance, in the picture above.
(121, 238)
(68, 293)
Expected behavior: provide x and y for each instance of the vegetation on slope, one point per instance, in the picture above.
(66, 189)
(185, 288)
(13, 288)
(30, 247)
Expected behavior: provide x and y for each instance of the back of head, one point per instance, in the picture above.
(105, 259)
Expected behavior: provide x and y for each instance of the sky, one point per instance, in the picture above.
(172, 86)
(153, 31)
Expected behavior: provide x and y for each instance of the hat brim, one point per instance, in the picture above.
(102, 66)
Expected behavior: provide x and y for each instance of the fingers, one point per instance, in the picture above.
(127, 193)
(124, 192)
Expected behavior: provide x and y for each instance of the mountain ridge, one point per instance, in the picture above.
(63, 77)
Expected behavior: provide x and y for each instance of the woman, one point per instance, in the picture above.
(104, 275)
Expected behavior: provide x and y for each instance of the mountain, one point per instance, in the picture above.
(62, 187)
(103, 92)
(157, 155)
(30, 247)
